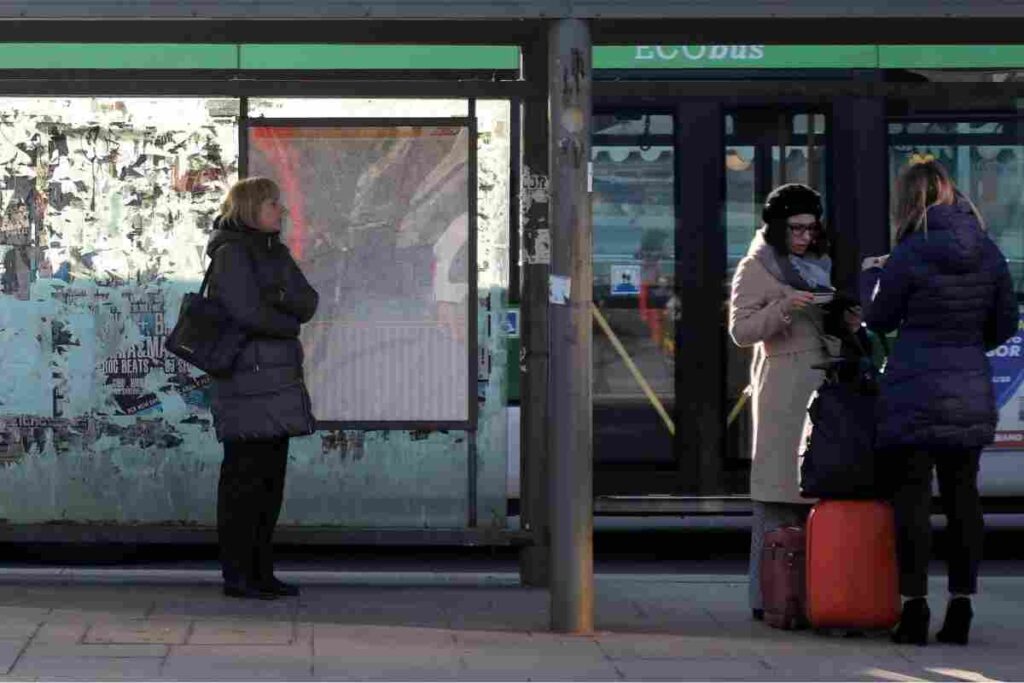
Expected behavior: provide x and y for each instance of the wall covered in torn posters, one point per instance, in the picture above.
(105, 209)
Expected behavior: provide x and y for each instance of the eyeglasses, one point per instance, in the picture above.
(804, 228)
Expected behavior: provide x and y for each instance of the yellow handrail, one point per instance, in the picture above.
(738, 408)
(634, 370)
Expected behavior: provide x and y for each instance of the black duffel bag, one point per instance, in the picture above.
(205, 336)
(838, 459)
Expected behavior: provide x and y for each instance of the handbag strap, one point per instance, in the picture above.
(209, 270)
(206, 279)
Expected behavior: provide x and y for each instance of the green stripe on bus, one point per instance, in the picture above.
(950, 56)
(736, 57)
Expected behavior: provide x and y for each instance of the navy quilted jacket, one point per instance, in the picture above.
(948, 291)
(265, 292)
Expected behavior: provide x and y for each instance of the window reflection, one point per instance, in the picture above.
(633, 206)
(634, 266)
(741, 215)
(986, 160)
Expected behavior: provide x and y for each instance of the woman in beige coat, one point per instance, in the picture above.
(773, 310)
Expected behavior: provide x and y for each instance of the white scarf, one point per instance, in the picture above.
(817, 272)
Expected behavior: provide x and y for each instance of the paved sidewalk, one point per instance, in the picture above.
(106, 624)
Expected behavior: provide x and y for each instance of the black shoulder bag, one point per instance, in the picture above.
(205, 336)
(838, 459)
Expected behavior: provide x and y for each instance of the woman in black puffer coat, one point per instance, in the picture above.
(947, 289)
(264, 401)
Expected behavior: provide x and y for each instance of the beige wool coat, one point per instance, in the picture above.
(781, 374)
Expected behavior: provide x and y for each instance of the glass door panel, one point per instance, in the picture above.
(742, 212)
(634, 222)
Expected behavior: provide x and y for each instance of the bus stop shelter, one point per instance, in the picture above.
(248, 52)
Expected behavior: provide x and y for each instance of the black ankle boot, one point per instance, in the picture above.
(957, 625)
(280, 588)
(913, 626)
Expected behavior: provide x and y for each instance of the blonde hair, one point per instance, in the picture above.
(920, 186)
(244, 199)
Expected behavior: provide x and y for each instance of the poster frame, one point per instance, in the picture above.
(245, 123)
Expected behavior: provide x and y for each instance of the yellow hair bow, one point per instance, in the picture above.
(918, 158)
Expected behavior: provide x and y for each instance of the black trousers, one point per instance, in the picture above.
(958, 488)
(249, 497)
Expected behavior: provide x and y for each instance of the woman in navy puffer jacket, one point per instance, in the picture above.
(947, 289)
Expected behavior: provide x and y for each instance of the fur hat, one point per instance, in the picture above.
(791, 200)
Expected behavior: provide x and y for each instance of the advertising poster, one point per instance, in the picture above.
(379, 223)
(1008, 381)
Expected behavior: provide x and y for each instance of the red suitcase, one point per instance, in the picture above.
(852, 574)
(783, 583)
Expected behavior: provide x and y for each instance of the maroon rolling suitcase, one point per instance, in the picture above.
(783, 578)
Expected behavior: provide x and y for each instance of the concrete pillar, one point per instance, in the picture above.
(570, 293)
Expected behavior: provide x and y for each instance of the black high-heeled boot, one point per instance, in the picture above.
(957, 626)
(913, 626)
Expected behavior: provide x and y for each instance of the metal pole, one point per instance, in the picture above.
(472, 452)
(534, 559)
(571, 324)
